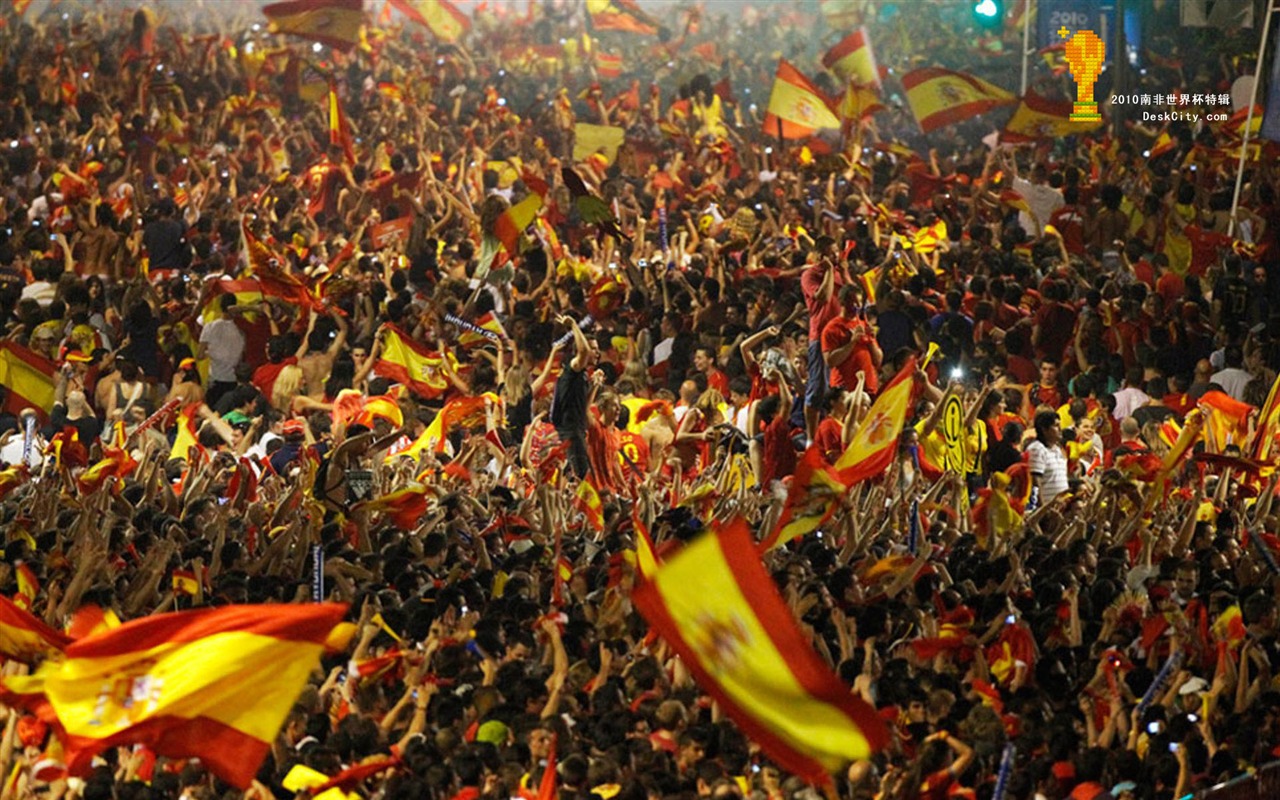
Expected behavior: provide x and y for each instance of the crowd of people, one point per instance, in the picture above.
(233, 336)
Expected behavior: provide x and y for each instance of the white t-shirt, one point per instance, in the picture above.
(1050, 463)
(226, 346)
(1043, 200)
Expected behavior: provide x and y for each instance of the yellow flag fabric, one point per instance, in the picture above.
(441, 17)
(1038, 118)
(940, 97)
(214, 684)
(332, 22)
(406, 362)
(798, 105)
(853, 59)
(29, 378)
(716, 606)
(873, 446)
(590, 139)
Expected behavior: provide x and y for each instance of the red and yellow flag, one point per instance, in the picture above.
(859, 102)
(186, 583)
(620, 15)
(246, 290)
(587, 500)
(441, 17)
(646, 553)
(608, 65)
(1055, 58)
(717, 607)
(339, 130)
(871, 451)
(1226, 420)
(25, 638)
(940, 97)
(406, 362)
(332, 22)
(469, 338)
(28, 586)
(186, 436)
(29, 378)
(115, 463)
(404, 507)
(797, 108)
(215, 684)
(512, 223)
(1164, 143)
(854, 60)
(1038, 118)
(812, 498)
(1268, 425)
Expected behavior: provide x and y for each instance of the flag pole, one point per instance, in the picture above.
(1248, 120)
(1026, 41)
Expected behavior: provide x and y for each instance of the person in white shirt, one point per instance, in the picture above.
(222, 343)
(1046, 458)
(1233, 378)
(1042, 199)
(1131, 396)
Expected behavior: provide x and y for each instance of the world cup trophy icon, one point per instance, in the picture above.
(1085, 52)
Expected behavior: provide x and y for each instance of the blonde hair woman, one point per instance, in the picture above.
(287, 395)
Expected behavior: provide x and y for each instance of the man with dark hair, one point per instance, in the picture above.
(222, 343)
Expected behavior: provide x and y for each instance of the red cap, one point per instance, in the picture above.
(293, 426)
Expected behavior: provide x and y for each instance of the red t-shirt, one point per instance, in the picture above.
(830, 439)
(779, 454)
(837, 334)
(719, 381)
(820, 313)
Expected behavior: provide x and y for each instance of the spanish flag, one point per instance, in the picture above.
(186, 435)
(29, 377)
(441, 17)
(339, 131)
(213, 684)
(115, 463)
(273, 277)
(646, 553)
(1164, 143)
(406, 362)
(797, 108)
(587, 500)
(940, 97)
(876, 440)
(1226, 420)
(620, 15)
(246, 290)
(1039, 118)
(28, 586)
(812, 498)
(588, 140)
(1229, 626)
(1055, 58)
(853, 59)
(1268, 425)
(25, 638)
(608, 65)
(512, 223)
(859, 102)
(460, 412)
(404, 507)
(185, 582)
(11, 478)
(486, 329)
(716, 605)
(332, 22)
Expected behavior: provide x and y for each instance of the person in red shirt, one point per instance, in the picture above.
(1049, 391)
(1069, 221)
(776, 456)
(849, 347)
(704, 361)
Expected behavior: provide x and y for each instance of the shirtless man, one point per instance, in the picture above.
(321, 351)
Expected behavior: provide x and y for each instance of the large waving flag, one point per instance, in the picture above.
(587, 500)
(620, 15)
(854, 60)
(29, 378)
(797, 108)
(1226, 420)
(514, 220)
(339, 131)
(332, 22)
(441, 17)
(871, 451)
(1268, 425)
(460, 412)
(404, 506)
(812, 498)
(940, 97)
(25, 638)
(717, 607)
(215, 684)
(1039, 118)
(405, 361)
